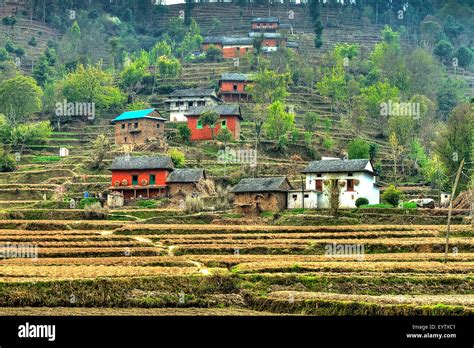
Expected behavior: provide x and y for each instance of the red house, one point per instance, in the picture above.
(141, 177)
(269, 39)
(230, 118)
(233, 87)
(269, 24)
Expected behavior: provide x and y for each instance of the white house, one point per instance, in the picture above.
(356, 178)
(181, 100)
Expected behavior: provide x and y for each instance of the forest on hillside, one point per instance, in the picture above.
(407, 93)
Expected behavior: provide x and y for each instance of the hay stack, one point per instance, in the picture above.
(463, 200)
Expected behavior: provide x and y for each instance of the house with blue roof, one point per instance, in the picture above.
(139, 127)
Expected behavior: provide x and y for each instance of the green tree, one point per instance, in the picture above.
(451, 91)
(279, 122)
(444, 50)
(91, 84)
(26, 134)
(333, 85)
(133, 74)
(213, 53)
(464, 56)
(210, 118)
(455, 142)
(310, 121)
(169, 67)
(359, 149)
(224, 135)
(20, 97)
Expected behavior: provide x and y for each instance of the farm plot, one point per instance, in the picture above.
(125, 267)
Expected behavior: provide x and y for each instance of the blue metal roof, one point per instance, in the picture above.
(130, 115)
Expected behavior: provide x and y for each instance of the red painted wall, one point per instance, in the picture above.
(233, 125)
(270, 42)
(231, 52)
(228, 86)
(160, 174)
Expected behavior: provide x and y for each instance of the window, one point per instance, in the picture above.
(190, 103)
(152, 179)
(318, 175)
(235, 88)
(125, 139)
(134, 179)
(123, 125)
(306, 195)
(295, 197)
(201, 103)
(199, 124)
(319, 185)
(349, 174)
(157, 125)
(350, 185)
(224, 124)
(136, 125)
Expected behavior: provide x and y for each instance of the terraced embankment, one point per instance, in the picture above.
(126, 268)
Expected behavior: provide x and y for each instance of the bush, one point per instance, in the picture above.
(359, 149)
(83, 203)
(7, 162)
(361, 201)
(184, 133)
(150, 204)
(392, 196)
(96, 211)
(32, 42)
(213, 53)
(409, 205)
(177, 157)
(193, 204)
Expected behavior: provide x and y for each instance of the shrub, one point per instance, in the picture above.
(83, 203)
(358, 149)
(193, 204)
(7, 162)
(32, 42)
(409, 205)
(177, 157)
(392, 196)
(184, 133)
(96, 211)
(150, 204)
(213, 53)
(361, 201)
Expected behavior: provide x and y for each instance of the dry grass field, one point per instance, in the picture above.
(126, 268)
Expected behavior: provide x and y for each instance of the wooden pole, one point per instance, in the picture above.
(458, 175)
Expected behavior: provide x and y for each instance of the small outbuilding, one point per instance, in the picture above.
(255, 195)
(184, 182)
(233, 87)
(231, 47)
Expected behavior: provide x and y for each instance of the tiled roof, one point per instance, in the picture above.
(337, 166)
(270, 184)
(227, 40)
(222, 109)
(131, 115)
(186, 175)
(141, 163)
(265, 35)
(194, 92)
(266, 20)
(236, 77)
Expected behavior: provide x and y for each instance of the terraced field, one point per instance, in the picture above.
(128, 268)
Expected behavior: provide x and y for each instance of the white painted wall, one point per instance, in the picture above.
(295, 200)
(365, 188)
(177, 112)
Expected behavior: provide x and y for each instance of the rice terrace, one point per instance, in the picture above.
(244, 163)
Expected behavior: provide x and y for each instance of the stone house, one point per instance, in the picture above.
(231, 47)
(139, 127)
(233, 87)
(355, 178)
(182, 99)
(230, 118)
(255, 195)
(189, 181)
